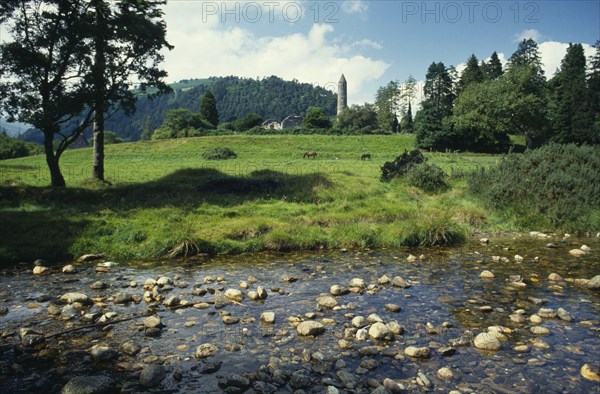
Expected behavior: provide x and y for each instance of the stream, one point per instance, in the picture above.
(441, 304)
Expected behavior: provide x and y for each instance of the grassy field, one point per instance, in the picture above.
(166, 200)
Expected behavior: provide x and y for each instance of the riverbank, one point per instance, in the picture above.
(165, 200)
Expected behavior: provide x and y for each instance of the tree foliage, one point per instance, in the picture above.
(208, 109)
(316, 119)
(387, 104)
(45, 68)
(360, 119)
(12, 148)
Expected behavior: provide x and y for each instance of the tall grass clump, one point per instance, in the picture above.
(555, 187)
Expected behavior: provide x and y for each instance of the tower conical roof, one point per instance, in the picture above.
(342, 78)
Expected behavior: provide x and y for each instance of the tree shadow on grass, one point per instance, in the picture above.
(41, 221)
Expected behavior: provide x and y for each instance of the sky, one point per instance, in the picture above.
(370, 42)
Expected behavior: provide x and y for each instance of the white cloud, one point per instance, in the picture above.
(553, 52)
(529, 33)
(221, 49)
(354, 6)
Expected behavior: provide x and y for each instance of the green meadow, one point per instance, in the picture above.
(165, 200)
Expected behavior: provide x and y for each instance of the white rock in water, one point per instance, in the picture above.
(380, 331)
(41, 270)
(577, 252)
(234, 295)
(486, 341)
(487, 274)
(357, 282)
(310, 327)
(417, 352)
(267, 317)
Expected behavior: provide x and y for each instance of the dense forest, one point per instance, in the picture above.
(236, 97)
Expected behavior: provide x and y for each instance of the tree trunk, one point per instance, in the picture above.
(56, 177)
(99, 102)
(98, 139)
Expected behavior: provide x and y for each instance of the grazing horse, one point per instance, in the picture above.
(366, 156)
(310, 154)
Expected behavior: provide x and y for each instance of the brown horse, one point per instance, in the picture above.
(310, 154)
(366, 156)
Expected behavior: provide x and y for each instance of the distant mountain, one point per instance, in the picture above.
(271, 98)
(13, 129)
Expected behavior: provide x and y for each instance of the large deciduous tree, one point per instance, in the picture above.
(45, 69)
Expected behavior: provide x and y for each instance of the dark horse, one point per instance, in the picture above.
(310, 154)
(366, 156)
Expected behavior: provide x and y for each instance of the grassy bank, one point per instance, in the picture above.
(166, 200)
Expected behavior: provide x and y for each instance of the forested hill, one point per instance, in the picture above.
(236, 97)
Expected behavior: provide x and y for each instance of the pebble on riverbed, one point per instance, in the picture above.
(486, 341)
(487, 274)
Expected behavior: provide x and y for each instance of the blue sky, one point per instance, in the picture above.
(371, 42)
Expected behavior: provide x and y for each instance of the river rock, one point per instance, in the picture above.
(253, 295)
(394, 308)
(229, 320)
(102, 353)
(89, 385)
(152, 375)
(487, 274)
(380, 332)
(337, 290)
(41, 270)
(206, 350)
(130, 348)
(564, 315)
(486, 341)
(310, 328)
(591, 372)
(98, 285)
(30, 336)
(267, 317)
(554, 277)
(445, 373)
(535, 319)
(392, 386)
(577, 252)
(3, 310)
(72, 298)
(417, 352)
(359, 322)
(518, 258)
(594, 283)
(172, 302)
(69, 269)
(327, 301)
(164, 281)
(261, 293)
(398, 281)
(539, 330)
(90, 257)
(362, 334)
(374, 318)
(384, 280)
(69, 312)
(234, 295)
(122, 298)
(357, 282)
(546, 313)
(395, 327)
(153, 322)
(586, 248)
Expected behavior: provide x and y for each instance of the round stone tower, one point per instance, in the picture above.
(342, 103)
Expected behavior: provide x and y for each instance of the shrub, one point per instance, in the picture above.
(401, 164)
(428, 177)
(556, 186)
(219, 153)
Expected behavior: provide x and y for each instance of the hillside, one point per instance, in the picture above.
(270, 97)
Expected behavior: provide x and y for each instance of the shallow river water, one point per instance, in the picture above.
(446, 305)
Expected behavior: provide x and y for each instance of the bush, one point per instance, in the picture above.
(556, 186)
(428, 177)
(219, 153)
(401, 164)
